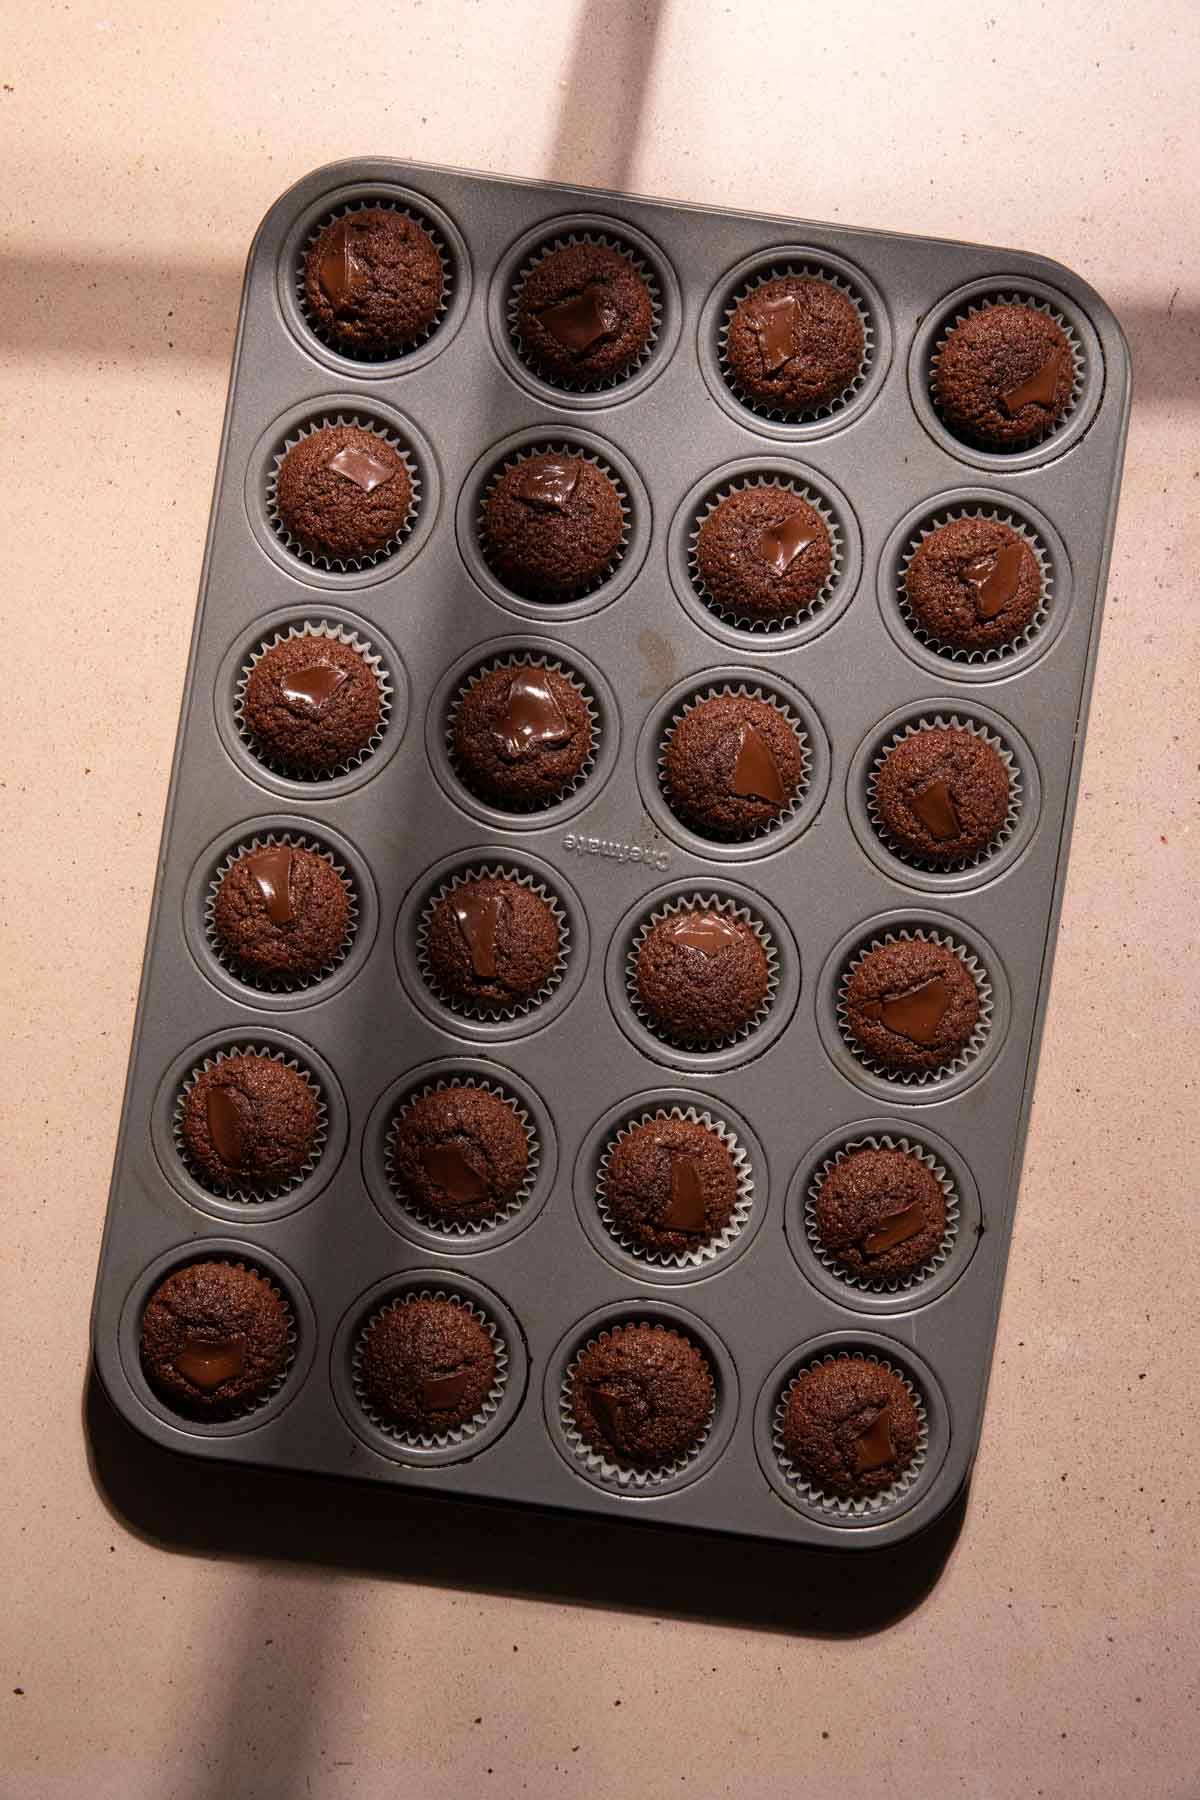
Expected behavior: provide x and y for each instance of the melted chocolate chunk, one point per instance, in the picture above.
(206, 1364)
(873, 1448)
(271, 870)
(548, 484)
(935, 809)
(685, 1209)
(706, 932)
(772, 321)
(607, 1410)
(360, 467)
(780, 545)
(224, 1125)
(755, 771)
(314, 685)
(582, 320)
(897, 1228)
(337, 267)
(478, 919)
(915, 1015)
(441, 1391)
(446, 1164)
(1040, 388)
(995, 577)
(532, 715)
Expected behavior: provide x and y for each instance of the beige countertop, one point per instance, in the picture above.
(166, 1634)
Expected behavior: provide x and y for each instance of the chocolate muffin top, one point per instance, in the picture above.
(311, 704)
(1003, 377)
(795, 343)
(459, 1154)
(942, 793)
(426, 1365)
(281, 912)
(764, 554)
(701, 976)
(850, 1426)
(249, 1120)
(973, 584)
(731, 766)
(670, 1185)
(642, 1395)
(521, 735)
(492, 942)
(214, 1338)
(911, 1005)
(552, 525)
(881, 1214)
(373, 282)
(343, 492)
(584, 314)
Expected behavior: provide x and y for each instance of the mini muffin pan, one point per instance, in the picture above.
(583, 1063)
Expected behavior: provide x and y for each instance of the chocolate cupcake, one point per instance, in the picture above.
(701, 976)
(281, 914)
(521, 735)
(943, 793)
(215, 1339)
(850, 1426)
(343, 492)
(373, 282)
(311, 705)
(583, 315)
(458, 1155)
(910, 1005)
(1003, 376)
(491, 942)
(973, 585)
(249, 1120)
(732, 765)
(763, 554)
(880, 1214)
(426, 1366)
(552, 525)
(642, 1394)
(795, 344)
(670, 1185)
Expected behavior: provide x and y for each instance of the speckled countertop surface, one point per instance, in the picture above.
(165, 1635)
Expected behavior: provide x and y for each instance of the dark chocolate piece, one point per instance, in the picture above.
(896, 1229)
(995, 578)
(477, 915)
(224, 1126)
(271, 872)
(582, 320)
(532, 715)
(915, 1015)
(441, 1391)
(336, 268)
(780, 545)
(1040, 388)
(449, 1168)
(934, 806)
(206, 1364)
(685, 1210)
(772, 319)
(360, 467)
(873, 1448)
(314, 685)
(755, 772)
(547, 483)
(706, 932)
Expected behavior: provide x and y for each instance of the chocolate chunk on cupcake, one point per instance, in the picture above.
(459, 1155)
(763, 554)
(521, 736)
(282, 913)
(552, 525)
(214, 1338)
(642, 1395)
(850, 1426)
(1004, 375)
(373, 282)
(670, 1185)
(943, 793)
(911, 1005)
(795, 344)
(426, 1366)
(880, 1214)
(343, 493)
(311, 705)
(249, 1120)
(701, 976)
(973, 585)
(491, 942)
(584, 314)
(732, 766)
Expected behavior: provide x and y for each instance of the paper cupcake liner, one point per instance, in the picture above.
(225, 1414)
(426, 1440)
(586, 385)
(464, 1228)
(470, 1009)
(765, 627)
(893, 1284)
(805, 415)
(625, 1476)
(318, 559)
(340, 634)
(556, 447)
(277, 984)
(1015, 794)
(973, 1046)
(686, 1259)
(739, 692)
(993, 652)
(522, 659)
(1078, 363)
(844, 1506)
(250, 1195)
(710, 902)
(342, 212)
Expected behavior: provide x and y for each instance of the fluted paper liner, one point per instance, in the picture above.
(224, 1415)
(741, 691)
(518, 659)
(786, 621)
(625, 1477)
(341, 634)
(893, 1284)
(470, 1009)
(460, 1434)
(710, 902)
(250, 1195)
(992, 652)
(814, 271)
(463, 1228)
(714, 1247)
(982, 303)
(555, 447)
(948, 722)
(318, 559)
(845, 1506)
(983, 1024)
(588, 384)
(382, 204)
(277, 984)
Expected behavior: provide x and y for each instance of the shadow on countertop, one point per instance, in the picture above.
(221, 1511)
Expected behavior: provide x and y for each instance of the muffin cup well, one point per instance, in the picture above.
(280, 984)
(642, 263)
(979, 1037)
(843, 1506)
(557, 446)
(249, 1195)
(938, 1257)
(733, 909)
(944, 722)
(993, 653)
(814, 269)
(981, 303)
(465, 1228)
(744, 691)
(787, 622)
(336, 633)
(470, 1009)
(381, 203)
(520, 659)
(320, 559)
(716, 1247)
(460, 1435)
